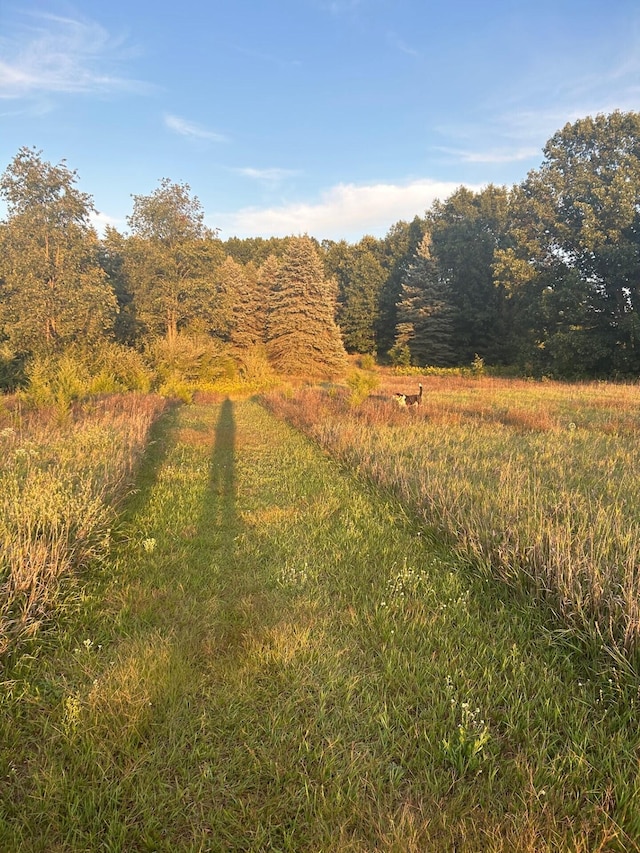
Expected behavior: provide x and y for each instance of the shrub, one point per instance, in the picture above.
(361, 385)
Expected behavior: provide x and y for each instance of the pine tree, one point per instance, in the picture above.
(244, 293)
(302, 333)
(425, 313)
(360, 277)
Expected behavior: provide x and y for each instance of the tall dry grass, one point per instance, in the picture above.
(536, 482)
(59, 486)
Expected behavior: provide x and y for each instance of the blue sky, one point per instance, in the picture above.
(335, 118)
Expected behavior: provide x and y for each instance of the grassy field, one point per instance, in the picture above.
(534, 483)
(60, 481)
(280, 657)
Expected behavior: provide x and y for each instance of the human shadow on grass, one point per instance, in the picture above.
(222, 479)
(151, 462)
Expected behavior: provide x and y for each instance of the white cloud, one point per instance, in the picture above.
(190, 129)
(495, 155)
(100, 221)
(267, 176)
(53, 54)
(346, 211)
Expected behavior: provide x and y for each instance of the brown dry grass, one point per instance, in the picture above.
(535, 482)
(59, 486)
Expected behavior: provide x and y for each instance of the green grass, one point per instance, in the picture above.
(281, 658)
(534, 483)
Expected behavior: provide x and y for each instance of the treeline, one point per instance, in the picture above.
(542, 278)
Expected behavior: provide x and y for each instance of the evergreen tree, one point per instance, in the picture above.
(303, 337)
(425, 313)
(360, 277)
(466, 231)
(398, 248)
(247, 309)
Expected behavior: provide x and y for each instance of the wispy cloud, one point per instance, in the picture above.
(400, 44)
(49, 54)
(267, 176)
(190, 129)
(346, 211)
(495, 155)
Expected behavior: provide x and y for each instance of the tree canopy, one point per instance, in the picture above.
(542, 277)
(53, 290)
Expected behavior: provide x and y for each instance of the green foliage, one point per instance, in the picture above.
(56, 381)
(186, 362)
(477, 366)
(255, 368)
(361, 384)
(54, 291)
(12, 369)
(542, 278)
(367, 361)
(302, 336)
(400, 352)
(466, 231)
(575, 227)
(170, 262)
(59, 380)
(425, 308)
(360, 277)
(121, 367)
(465, 748)
(398, 248)
(176, 387)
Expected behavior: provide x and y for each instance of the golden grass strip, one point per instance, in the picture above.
(58, 488)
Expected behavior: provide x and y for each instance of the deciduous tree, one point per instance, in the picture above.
(53, 291)
(170, 261)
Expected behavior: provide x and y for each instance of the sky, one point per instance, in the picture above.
(334, 118)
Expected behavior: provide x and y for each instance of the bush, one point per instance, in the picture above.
(361, 385)
(194, 361)
(367, 362)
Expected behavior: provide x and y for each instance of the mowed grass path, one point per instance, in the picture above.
(280, 659)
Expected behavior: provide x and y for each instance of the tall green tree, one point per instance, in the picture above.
(425, 313)
(302, 336)
(170, 261)
(360, 277)
(112, 256)
(579, 231)
(53, 291)
(398, 249)
(246, 300)
(467, 230)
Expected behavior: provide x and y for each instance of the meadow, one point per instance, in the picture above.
(279, 649)
(533, 483)
(61, 476)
